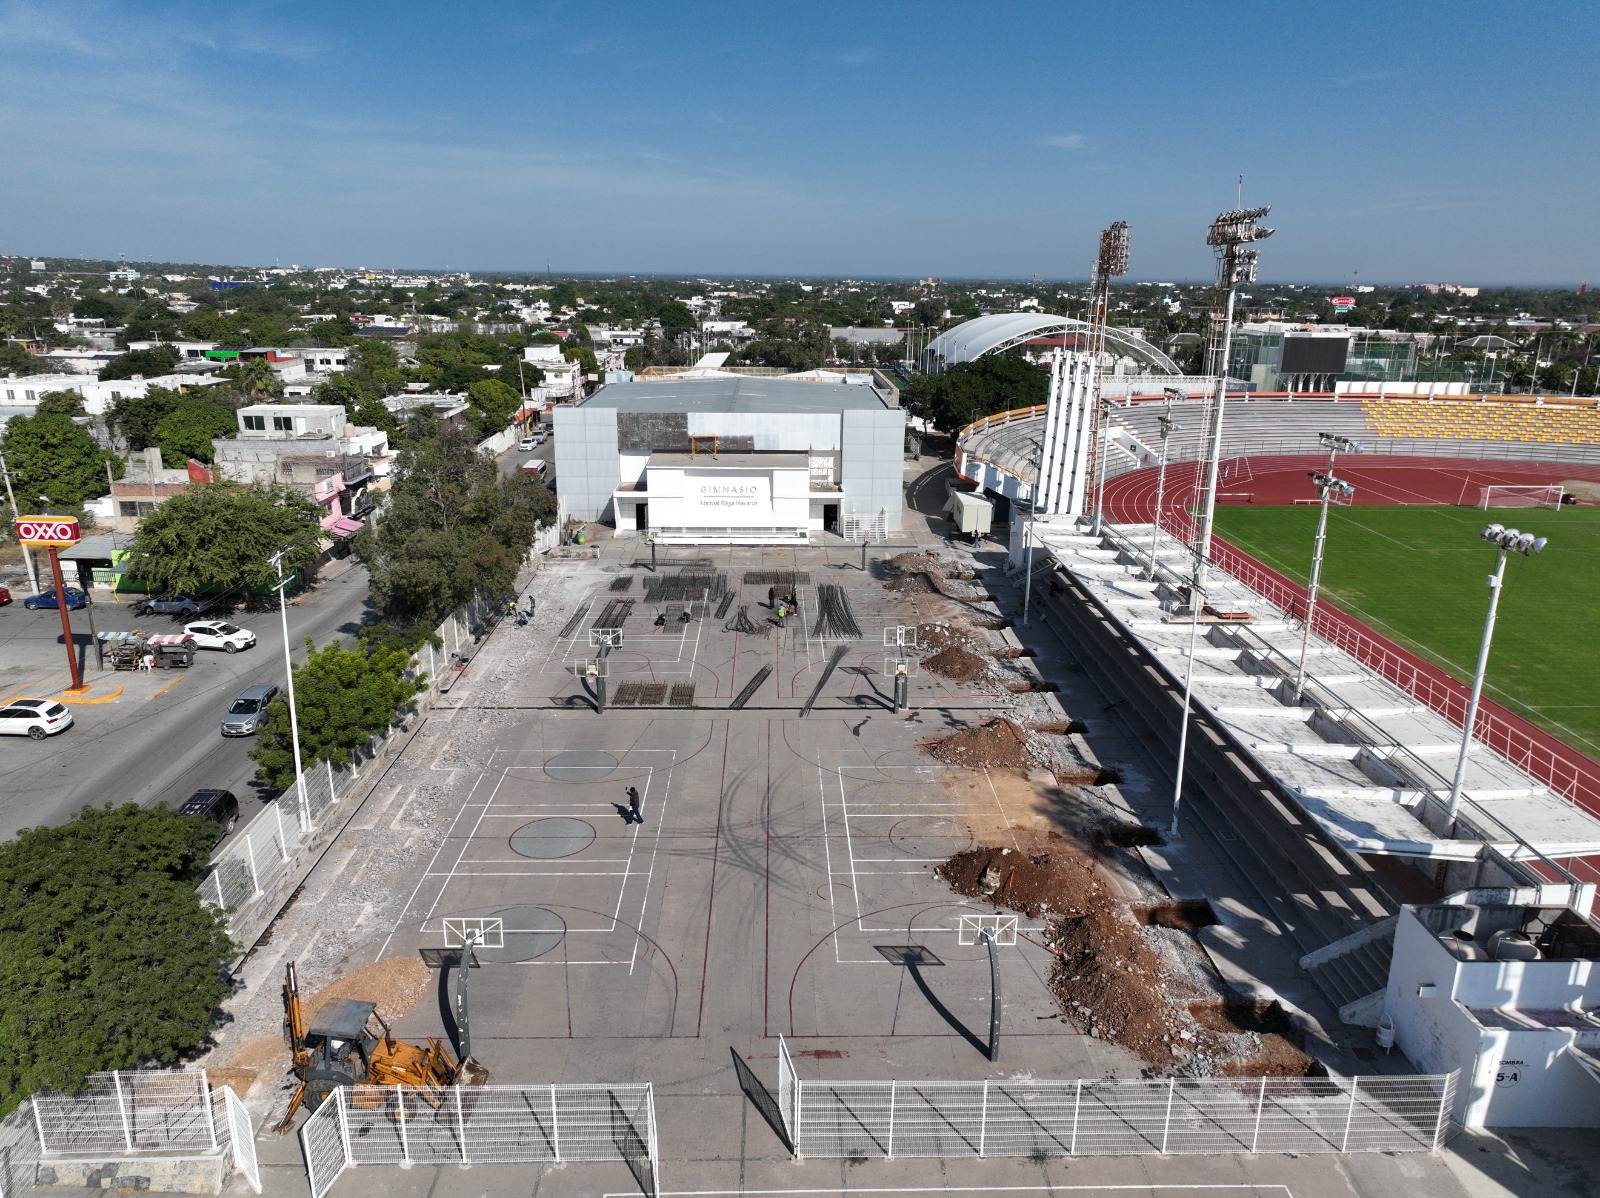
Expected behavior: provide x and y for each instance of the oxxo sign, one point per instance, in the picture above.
(48, 532)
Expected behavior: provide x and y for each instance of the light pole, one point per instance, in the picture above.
(1111, 262)
(1509, 540)
(1327, 487)
(1227, 235)
(27, 554)
(294, 719)
(1168, 427)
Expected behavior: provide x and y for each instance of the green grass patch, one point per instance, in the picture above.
(1419, 575)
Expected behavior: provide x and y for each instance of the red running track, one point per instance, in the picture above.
(1130, 498)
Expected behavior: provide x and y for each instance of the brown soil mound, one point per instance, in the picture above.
(396, 984)
(912, 561)
(934, 636)
(999, 744)
(957, 664)
(1115, 983)
(1108, 979)
(913, 584)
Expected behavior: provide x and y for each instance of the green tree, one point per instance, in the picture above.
(968, 390)
(134, 418)
(97, 307)
(376, 367)
(219, 536)
(52, 455)
(107, 958)
(255, 379)
(187, 430)
(66, 403)
(454, 527)
(371, 412)
(343, 698)
(493, 404)
(583, 355)
(14, 359)
(157, 360)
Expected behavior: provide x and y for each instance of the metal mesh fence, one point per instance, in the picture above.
(394, 1125)
(123, 1112)
(1113, 1118)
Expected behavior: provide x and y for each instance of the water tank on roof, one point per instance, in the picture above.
(1506, 945)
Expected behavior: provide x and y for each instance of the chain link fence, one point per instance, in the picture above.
(462, 1125)
(1096, 1117)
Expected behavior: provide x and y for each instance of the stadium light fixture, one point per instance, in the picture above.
(1168, 427)
(1228, 236)
(1327, 487)
(1508, 541)
(1111, 262)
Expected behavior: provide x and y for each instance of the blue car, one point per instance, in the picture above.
(75, 599)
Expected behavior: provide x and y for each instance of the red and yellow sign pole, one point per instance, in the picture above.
(53, 533)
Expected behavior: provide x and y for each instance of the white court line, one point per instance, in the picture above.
(413, 896)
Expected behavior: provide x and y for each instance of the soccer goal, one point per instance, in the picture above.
(1519, 496)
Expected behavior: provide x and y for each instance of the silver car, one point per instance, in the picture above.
(249, 710)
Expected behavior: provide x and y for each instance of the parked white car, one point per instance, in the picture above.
(219, 634)
(37, 718)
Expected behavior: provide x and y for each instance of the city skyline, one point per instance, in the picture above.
(881, 143)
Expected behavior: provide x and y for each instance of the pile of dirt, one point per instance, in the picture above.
(396, 984)
(1121, 982)
(999, 744)
(936, 635)
(911, 584)
(957, 664)
(912, 562)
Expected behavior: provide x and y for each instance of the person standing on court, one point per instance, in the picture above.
(634, 815)
(772, 598)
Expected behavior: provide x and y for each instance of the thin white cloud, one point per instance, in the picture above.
(1065, 141)
(859, 57)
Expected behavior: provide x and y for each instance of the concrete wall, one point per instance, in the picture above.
(871, 467)
(1509, 1077)
(588, 466)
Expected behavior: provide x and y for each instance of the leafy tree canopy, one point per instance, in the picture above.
(53, 456)
(219, 536)
(454, 527)
(66, 403)
(343, 698)
(133, 418)
(493, 404)
(157, 360)
(97, 307)
(254, 378)
(969, 390)
(107, 958)
(14, 359)
(187, 430)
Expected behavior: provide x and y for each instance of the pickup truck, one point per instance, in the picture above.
(171, 605)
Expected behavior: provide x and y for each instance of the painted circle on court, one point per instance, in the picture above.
(580, 765)
(929, 836)
(547, 839)
(529, 932)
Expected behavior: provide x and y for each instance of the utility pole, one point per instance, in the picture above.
(27, 554)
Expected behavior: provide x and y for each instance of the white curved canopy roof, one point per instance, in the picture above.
(1004, 330)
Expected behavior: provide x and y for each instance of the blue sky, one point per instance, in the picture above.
(1409, 142)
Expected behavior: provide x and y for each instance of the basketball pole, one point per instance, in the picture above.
(988, 937)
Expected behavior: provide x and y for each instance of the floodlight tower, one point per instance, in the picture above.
(1228, 236)
(1327, 487)
(1112, 262)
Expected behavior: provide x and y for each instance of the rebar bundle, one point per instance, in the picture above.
(834, 617)
(614, 613)
(750, 688)
(772, 578)
(743, 623)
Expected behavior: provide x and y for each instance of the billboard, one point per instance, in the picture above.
(1314, 355)
(724, 500)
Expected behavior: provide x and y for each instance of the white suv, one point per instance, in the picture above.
(219, 634)
(37, 718)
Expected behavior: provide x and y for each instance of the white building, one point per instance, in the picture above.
(24, 391)
(719, 457)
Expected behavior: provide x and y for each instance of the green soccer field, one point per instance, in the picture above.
(1420, 576)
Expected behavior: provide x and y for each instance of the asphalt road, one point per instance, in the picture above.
(511, 461)
(160, 749)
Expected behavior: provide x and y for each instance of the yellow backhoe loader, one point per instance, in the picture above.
(341, 1048)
